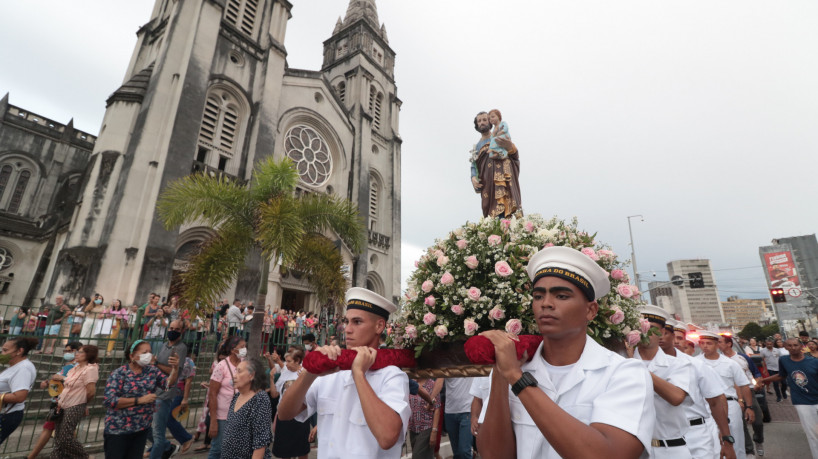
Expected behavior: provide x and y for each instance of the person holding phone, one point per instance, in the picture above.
(174, 347)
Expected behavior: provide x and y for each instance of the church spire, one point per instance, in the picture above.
(362, 9)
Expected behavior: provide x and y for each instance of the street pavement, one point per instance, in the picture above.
(783, 437)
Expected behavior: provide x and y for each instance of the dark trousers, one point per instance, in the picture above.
(66, 444)
(8, 423)
(780, 387)
(758, 427)
(126, 446)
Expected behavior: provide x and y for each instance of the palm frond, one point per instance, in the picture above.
(214, 268)
(273, 178)
(213, 200)
(321, 261)
(321, 213)
(280, 227)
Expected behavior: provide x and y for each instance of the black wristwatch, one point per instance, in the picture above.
(525, 380)
(728, 439)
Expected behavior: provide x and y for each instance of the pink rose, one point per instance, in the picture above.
(503, 269)
(514, 326)
(470, 326)
(617, 274)
(644, 324)
(438, 253)
(505, 223)
(411, 332)
(494, 240)
(588, 251)
(624, 290)
(427, 286)
(634, 337)
(429, 301)
(617, 317)
(635, 291)
(548, 244)
(606, 253)
(471, 262)
(457, 309)
(529, 227)
(416, 263)
(496, 313)
(411, 294)
(442, 261)
(462, 244)
(474, 293)
(429, 318)
(441, 331)
(447, 278)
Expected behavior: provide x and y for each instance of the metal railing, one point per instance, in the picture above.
(110, 335)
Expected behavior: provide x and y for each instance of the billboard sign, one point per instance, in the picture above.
(781, 270)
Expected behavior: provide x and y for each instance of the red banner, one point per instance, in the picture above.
(781, 270)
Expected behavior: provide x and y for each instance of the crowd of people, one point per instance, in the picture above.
(572, 398)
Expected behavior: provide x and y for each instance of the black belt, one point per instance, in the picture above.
(697, 422)
(668, 443)
(732, 398)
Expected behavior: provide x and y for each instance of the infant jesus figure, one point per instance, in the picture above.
(500, 130)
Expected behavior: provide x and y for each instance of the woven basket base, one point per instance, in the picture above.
(460, 371)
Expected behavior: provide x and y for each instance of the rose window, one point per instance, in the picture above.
(310, 154)
(6, 258)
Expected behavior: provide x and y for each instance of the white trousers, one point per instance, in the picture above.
(736, 418)
(702, 440)
(674, 452)
(809, 422)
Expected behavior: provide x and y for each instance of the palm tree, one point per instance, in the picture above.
(266, 217)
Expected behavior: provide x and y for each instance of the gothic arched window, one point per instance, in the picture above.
(5, 175)
(375, 103)
(221, 128)
(342, 91)
(19, 191)
(242, 14)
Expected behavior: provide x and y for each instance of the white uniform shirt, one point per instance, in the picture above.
(480, 388)
(745, 367)
(708, 384)
(601, 387)
(671, 422)
(343, 432)
(729, 371)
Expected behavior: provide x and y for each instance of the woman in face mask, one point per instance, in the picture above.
(89, 322)
(221, 391)
(15, 383)
(78, 317)
(130, 396)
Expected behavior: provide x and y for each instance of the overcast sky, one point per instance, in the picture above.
(701, 116)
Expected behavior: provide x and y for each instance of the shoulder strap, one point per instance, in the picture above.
(227, 361)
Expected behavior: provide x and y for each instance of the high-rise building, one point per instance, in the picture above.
(738, 312)
(208, 89)
(659, 289)
(791, 264)
(696, 299)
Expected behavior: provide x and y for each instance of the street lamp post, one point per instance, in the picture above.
(633, 253)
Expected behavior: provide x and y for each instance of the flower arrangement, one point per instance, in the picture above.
(475, 280)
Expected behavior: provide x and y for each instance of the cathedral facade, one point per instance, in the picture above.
(208, 90)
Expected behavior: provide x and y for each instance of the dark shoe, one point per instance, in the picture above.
(174, 448)
(778, 399)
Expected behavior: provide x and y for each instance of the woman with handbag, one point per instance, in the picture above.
(15, 383)
(221, 391)
(79, 388)
(77, 317)
(120, 318)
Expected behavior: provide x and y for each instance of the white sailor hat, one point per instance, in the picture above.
(573, 266)
(675, 325)
(367, 300)
(708, 335)
(654, 314)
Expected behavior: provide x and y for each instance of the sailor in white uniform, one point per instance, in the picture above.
(737, 390)
(671, 384)
(704, 437)
(361, 413)
(574, 398)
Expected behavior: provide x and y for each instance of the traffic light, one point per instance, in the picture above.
(778, 295)
(696, 280)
